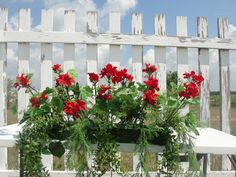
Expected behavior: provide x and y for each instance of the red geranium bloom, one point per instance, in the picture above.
(108, 71)
(103, 93)
(121, 75)
(198, 79)
(34, 102)
(149, 68)
(152, 83)
(191, 90)
(57, 68)
(150, 97)
(22, 80)
(65, 80)
(81, 105)
(73, 108)
(43, 96)
(93, 77)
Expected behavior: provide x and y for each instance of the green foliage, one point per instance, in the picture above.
(124, 112)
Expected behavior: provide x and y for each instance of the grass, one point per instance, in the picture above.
(126, 158)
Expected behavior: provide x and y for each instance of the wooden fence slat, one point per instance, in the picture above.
(203, 63)
(69, 49)
(3, 84)
(137, 51)
(224, 86)
(46, 70)
(203, 59)
(160, 52)
(137, 63)
(114, 26)
(92, 49)
(182, 53)
(23, 59)
(92, 57)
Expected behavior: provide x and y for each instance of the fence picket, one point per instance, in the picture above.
(137, 62)
(46, 70)
(3, 84)
(92, 49)
(203, 63)
(23, 59)
(160, 52)
(182, 53)
(69, 49)
(114, 25)
(224, 86)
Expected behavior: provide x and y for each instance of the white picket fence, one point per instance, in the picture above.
(92, 38)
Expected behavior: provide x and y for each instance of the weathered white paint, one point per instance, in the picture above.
(23, 59)
(182, 53)
(92, 54)
(224, 86)
(117, 39)
(203, 63)
(114, 28)
(3, 84)
(69, 49)
(46, 70)
(160, 52)
(203, 59)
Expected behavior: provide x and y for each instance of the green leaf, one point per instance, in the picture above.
(45, 108)
(29, 75)
(172, 102)
(48, 90)
(57, 149)
(85, 92)
(73, 73)
(57, 103)
(25, 118)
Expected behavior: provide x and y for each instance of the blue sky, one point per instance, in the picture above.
(171, 8)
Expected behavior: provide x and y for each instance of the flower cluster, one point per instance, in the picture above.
(72, 108)
(192, 86)
(22, 81)
(150, 95)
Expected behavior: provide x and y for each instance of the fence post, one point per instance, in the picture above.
(46, 70)
(224, 86)
(3, 84)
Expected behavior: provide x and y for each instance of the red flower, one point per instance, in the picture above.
(93, 77)
(73, 108)
(149, 69)
(56, 68)
(108, 71)
(65, 80)
(194, 78)
(104, 93)
(191, 90)
(152, 83)
(121, 75)
(81, 105)
(43, 96)
(198, 79)
(22, 80)
(34, 102)
(150, 97)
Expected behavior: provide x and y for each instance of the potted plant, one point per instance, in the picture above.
(118, 110)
